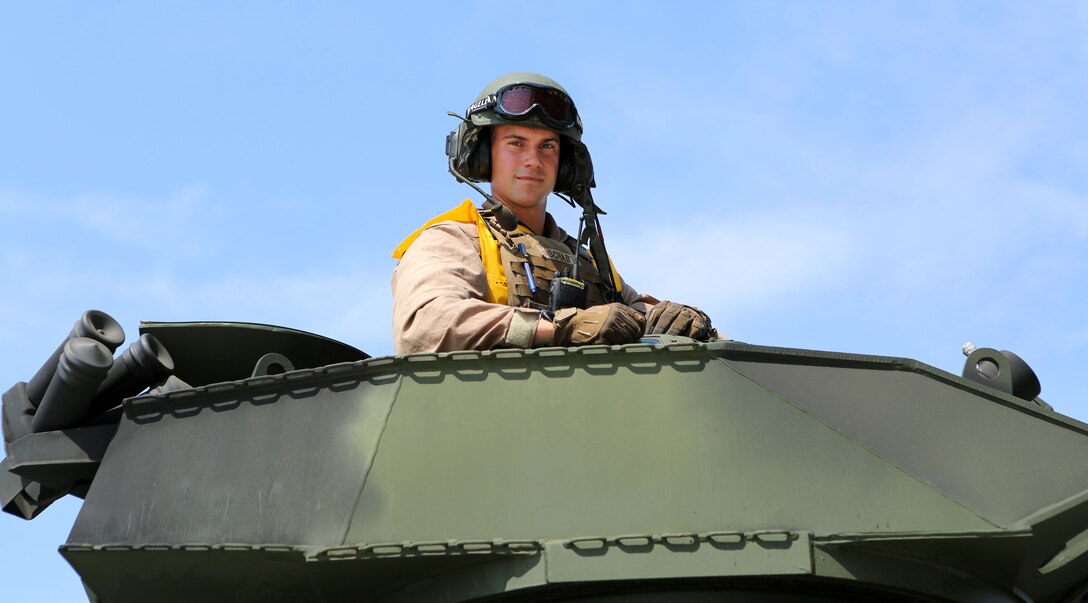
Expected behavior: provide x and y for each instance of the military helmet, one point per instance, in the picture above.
(528, 99)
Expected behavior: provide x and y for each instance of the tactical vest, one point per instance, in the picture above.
(507, 279)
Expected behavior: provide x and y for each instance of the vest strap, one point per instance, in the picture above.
(491, 254)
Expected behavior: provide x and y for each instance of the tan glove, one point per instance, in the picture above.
(671, 318)
(608, 324)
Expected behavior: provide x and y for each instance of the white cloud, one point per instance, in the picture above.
(353, 305)
(739, 264)
(949, 214)
(128, 219)
(348, 303)
(172, 226)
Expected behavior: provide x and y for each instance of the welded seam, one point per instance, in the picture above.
(859, 444)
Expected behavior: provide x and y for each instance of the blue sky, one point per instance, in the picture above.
(891, 178)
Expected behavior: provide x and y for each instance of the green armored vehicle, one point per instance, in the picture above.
(266, 464)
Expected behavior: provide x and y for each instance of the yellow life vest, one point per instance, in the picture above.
(497, 290)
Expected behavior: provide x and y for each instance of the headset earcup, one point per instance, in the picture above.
(482, 155)
(469, 148)
(454, 141)
(565, 174)
(575, 173)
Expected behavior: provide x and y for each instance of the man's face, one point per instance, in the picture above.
(524, 162)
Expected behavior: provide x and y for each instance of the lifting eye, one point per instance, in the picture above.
(272, 364)
(1001, 370)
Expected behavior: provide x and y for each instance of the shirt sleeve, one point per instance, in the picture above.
(639, 301)
(440, 293)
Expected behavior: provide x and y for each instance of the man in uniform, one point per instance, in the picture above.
(483, 278)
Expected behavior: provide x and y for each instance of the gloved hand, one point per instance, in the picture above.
(609, 324)
(671, 318)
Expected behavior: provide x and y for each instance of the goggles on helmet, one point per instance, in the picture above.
(515, 102)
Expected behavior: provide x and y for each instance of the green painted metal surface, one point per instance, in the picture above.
(685, 462)
(666, 470)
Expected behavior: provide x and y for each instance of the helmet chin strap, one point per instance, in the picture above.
(596, 243)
